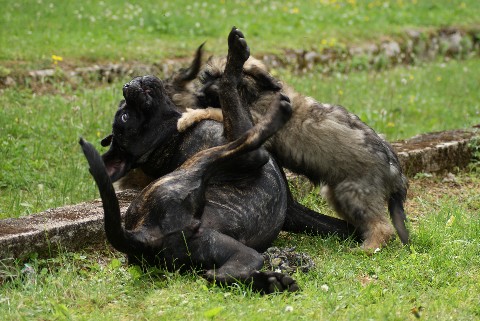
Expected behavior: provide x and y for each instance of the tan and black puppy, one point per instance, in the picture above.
(331, 146)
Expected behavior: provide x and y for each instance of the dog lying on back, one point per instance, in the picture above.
(172, 222)
(134, 165)
(326, 143)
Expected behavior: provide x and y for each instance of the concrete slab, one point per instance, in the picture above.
(435, 152)
(67, 228)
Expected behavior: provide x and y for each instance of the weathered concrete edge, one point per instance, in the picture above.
(80, 226)
(436, 152)
(67, 228)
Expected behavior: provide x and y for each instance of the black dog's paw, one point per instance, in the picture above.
(271, 282)
(265, 282)
(237, 46)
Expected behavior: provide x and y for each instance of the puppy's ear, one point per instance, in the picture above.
(264, 79)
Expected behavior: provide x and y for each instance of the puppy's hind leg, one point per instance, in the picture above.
(236, 117)
(364, 209)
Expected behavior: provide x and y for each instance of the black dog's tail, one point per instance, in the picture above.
(397, 214)
(121, 239)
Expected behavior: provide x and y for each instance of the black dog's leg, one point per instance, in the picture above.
(236, 117)
(301, 219)
(234, 262)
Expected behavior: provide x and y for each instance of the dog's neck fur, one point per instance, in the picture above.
(181, 146)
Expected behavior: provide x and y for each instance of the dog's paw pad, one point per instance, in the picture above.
(238, 45)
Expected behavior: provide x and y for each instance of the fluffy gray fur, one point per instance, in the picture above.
(359, 170)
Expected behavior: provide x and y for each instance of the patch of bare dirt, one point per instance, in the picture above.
(462, 187)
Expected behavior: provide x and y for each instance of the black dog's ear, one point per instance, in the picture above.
(264, 79)
(107, 140)
(117, 165)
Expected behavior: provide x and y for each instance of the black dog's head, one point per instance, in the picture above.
(144, 119)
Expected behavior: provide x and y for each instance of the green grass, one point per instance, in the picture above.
(42, 166)
(90, 31)
(438, 274)
(403, 101)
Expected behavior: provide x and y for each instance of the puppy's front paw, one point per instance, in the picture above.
(189, 117)
(192, 116)
(271, 282)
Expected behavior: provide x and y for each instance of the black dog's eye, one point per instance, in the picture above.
(124, 117)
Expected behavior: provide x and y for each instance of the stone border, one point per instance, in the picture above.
(436, 152)
(79, 226)
(69, 228)
(408, 47)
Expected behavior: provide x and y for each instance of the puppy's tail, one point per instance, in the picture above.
(188, 74)
(397, 214)
(121, 239)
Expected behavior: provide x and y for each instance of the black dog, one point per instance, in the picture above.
(169, 224)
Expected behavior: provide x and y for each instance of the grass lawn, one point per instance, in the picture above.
(404, 101)
(32, 31)
(438, 276)
(41, 165)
